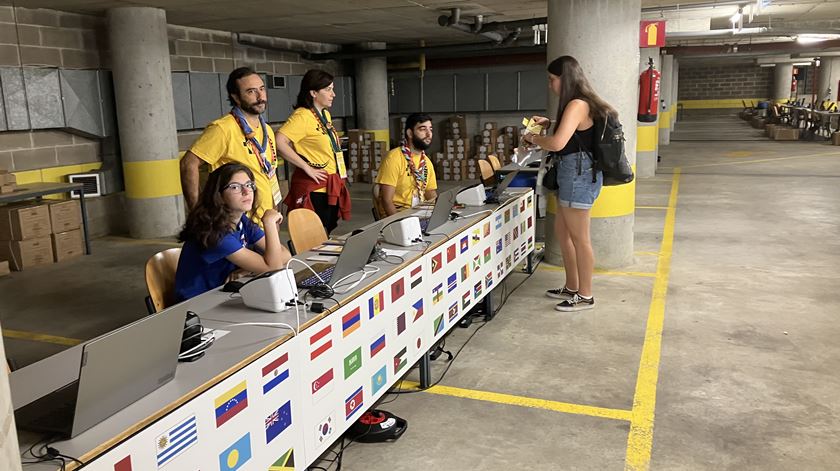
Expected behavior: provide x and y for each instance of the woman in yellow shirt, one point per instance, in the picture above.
(318, 181)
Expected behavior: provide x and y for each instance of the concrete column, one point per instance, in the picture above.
(146, 117)
(647, 134)
(665, 99)
(603, 35)
(829, 76)
(9, 452)
(372, 93)
(782, 81)
(675, 83)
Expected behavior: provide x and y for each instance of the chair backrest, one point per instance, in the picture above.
(160, 278)
(488, 176)
(378, 210)
(494, 162)
(305, 229)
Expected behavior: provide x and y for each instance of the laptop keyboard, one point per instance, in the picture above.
(313, 280)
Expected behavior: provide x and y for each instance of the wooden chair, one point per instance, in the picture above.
(305, 230)
(494, 162)
(488, 176)
(377, 209)
(160, 279)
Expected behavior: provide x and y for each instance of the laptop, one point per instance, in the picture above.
(353, 258)
(105, 375)
(441, 212)
(496, 194)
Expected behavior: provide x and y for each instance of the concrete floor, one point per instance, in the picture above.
(747, 367)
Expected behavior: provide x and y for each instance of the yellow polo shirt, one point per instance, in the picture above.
(303, 129)
(223, 142)
(395, 172)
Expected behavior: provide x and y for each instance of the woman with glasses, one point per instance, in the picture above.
(220, 238)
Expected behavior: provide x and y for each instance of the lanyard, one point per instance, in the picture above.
(421, 175)
(258, 148)
(326, 127)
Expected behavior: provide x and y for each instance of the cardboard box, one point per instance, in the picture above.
(24, 221)
(835, 138)
(6, 178)
(65, 216)
(786, 134)
(769, 130)
(4, 268)
(23, 254)
(67, 245)
(8, 188)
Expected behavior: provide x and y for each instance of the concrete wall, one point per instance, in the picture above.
(711, 82)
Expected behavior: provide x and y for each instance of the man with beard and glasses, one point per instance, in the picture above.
(407, 177)
(241, 136)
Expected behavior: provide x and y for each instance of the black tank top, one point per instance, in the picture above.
(581, 141)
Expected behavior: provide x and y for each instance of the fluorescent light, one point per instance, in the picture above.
(815, 38)
(801, 63)
(767, 65)
(735, 18)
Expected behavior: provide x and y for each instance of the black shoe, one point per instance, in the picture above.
(575, 303)
(562, 293)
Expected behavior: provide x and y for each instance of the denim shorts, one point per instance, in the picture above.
(575, 188)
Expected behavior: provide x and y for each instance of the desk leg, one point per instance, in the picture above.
(425, 371)
(530, 265)
(84, 221)
(488, 306)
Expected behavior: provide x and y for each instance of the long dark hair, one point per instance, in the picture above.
(210, 219)
(575, 85)
(313, 80)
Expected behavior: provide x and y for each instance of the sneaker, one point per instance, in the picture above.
(575, 303)
(562, 293)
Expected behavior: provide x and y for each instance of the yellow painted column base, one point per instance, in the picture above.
(152, 178)
(614, 201)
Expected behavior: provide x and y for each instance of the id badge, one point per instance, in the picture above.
(339, 164)
(277, 196)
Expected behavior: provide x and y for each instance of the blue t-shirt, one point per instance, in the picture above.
(200, 270)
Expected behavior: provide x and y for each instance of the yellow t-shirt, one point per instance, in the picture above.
(223, 142)
(395, 172)
(304, 130)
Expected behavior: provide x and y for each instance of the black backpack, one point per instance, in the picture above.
(608, 152)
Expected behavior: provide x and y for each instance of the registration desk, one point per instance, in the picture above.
(264, 397)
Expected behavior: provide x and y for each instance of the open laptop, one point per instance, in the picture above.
(76, 389)
(496, 195)
(441, 212)
(354, 256)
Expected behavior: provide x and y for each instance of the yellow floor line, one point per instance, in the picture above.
(640, 439)
(758, 161)
(651, 207)
(36, 337)
(498, 398)
(605, 272)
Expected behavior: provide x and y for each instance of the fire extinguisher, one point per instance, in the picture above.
(648, 93)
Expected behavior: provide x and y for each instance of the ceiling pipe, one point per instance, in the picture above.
(498, 32)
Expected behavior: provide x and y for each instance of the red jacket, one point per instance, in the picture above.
(301, 185)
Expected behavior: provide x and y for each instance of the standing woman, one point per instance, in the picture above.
(571, 142)
(220, 238)
(318, 181)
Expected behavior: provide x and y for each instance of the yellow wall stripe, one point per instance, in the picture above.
(647, 137)
(592, 411)
(718, 103)
(152, 178)
(54, 175)
(380, 134)
(34, 336)
(664, 119)
(640, 439)
(614, 201)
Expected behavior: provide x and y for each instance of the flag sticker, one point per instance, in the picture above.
(324, 429)
(522, 228)
(175, 441)
(437, 293)
(530, 242)
(236, 455)
(488, 280)
(453, 311)
(401, 323)
(274, 373)
(418, 309)
(530, 201)
(278, 421)
(320, 342)
(439, 325)
(476, 235)
(487, 255)
(285, 462)
(515, 210)
(416, 276)
(476, 263)
(123, 464)
(378, 380)
(397, 289)
(377, 345)
(465, 300)
(353, 403)
(437, 263)
(399, 360)
(498, 246)
(376, 304)
(486, 228)
(515, 232)
(507, 263)
(452, 282)
(477, 290)
(465, 244)
(351, 321)
(507, 239)
(530, 221)
(465, 272)
(522, 206)
(231, 403)
(507, 215)
(499, 221)
(352, 362)
(516, 254)
(451, 252)
(323, 383)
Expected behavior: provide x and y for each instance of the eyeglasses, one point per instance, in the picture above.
(241, 187)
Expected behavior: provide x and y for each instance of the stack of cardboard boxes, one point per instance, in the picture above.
(365, 156)
(33, 234)
(506, 141)
(8, 182)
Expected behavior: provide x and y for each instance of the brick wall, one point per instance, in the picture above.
(725, 81)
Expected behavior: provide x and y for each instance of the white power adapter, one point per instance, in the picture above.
(404, 232)
(272, 291)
